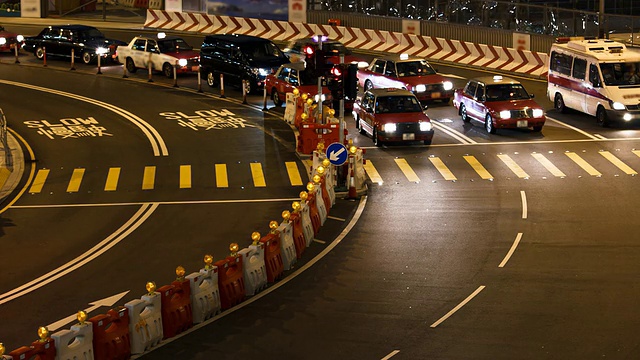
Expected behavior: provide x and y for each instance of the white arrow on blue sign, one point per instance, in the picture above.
(337, 154)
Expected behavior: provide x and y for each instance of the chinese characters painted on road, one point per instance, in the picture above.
(208, 119)
(69, 128)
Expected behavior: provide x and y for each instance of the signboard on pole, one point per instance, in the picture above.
(298, 11)
(337, 154)
(411, 27)
(173, 5)
(30, 9)
(521, 41)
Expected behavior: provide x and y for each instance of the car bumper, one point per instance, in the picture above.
(429, 96)
(623, 115)
(520, 123)
(406, 136)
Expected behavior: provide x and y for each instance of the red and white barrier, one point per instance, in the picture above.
(145, 322)
(287, 246)
(307, 226)
(74, 343)
(255, 271)
(205, 294)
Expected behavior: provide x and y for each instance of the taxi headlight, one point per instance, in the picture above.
(182, 62)
(3, 41)
(505, 114)
(447, 85)
(421, 88)
(390, 127)
(316, 97)
(538, 113)
(618, 106)
(425, 126)
(20, 38)
(102, 51)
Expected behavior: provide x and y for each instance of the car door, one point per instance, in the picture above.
(367, 115)
(139, 53)
(50, 41)
(390, 79)
(65, 43)
(153, 53)
(594, 84)
(468, 99)
(378, 70)
(479, 107)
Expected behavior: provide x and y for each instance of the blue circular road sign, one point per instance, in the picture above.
(337, 154)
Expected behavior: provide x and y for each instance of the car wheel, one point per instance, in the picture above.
(376, 141)
(368, 85)
(212, 79)
(601, 117)
(131, 66)
(488, 124)
(86, 57)
(537, 128)
(39, 53)
(558, 103)
(276, 97)
(463, 113)
(167, 70)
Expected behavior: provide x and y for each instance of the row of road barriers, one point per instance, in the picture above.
(162, 313)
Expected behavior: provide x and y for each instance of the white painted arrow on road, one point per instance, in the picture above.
(108, 301)
(334, 154)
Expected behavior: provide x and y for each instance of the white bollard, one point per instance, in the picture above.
(205, 294)
(254, 269)
(287, 246)
(307, 225)
(145, 322)
(76, 343)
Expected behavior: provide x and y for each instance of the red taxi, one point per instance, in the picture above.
(499, 102)
(292, 76)
(413, 74)
(9, 40)
(392, 115)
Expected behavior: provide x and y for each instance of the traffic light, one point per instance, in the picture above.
(335, 81)
(350, 81)
(310, 58)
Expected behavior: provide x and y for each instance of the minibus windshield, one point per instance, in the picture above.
(620, 74)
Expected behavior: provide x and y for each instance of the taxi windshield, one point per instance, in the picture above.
(173, 45)
(503, 92)
(414, 68)
(397, 104)
(620, 74)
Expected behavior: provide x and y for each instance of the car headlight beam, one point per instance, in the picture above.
(389, 127)
(618, 106)
(182, 62)
(505, 114)
(421, 88)
(447, 85)
(3, 41)
(102, 51)
(20, 38)
(425, 126)
(538, 113)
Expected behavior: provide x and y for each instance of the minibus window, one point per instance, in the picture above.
(593, 76)
(561, 63)
(579, 68)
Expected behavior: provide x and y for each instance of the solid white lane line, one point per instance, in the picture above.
(524, 204)
(335, 218)
(511, 251)
(195, 202)
(459, 306)
(576, 129)
(391, 354)
(133, 223)
(260, 295)
(320, 241)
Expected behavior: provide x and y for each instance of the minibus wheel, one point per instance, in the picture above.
(601, 117)
(558, 103)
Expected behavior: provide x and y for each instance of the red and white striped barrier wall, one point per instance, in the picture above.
(487, 56)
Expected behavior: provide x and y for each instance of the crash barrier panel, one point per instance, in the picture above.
(305, 216)
(43, 349)
(328, 180)
(205, 294)
(298, 233)
(287, 245)
(313, 188)
(430, 47)
(230, 279)
(253, 266)
(75, 343)
(273, 253)
(358, 170)
(145, 325)
(290, 109)
(312, 133)
(111, 335)
(175, 298)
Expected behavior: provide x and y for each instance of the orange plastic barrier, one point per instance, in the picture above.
(325, 192)
(311, 134)
(230, 281)
(298, 233)
(272, 256)
(313, 212)
(39, 350)
(297, 120)
(177, 315)
(111, 339)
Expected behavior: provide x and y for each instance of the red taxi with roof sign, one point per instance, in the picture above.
(403, 72)
(499, 102)
(392, 115)
(292, 76)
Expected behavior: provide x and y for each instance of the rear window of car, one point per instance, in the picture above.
(173, 45)
(414, 68)
(504, 92)
(262, 50)
(397, 104)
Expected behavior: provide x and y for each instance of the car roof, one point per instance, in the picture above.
(298, 65)
(390, 92)
(496, 79)
(314, 40)
(398, 58)
(237, 38)
(73, 27)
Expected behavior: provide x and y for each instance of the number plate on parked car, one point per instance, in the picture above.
(523, 123)
(435, 94)
(409, 136)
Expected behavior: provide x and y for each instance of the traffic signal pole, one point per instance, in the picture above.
(321, 112)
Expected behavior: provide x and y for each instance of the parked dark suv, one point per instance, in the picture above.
(86, 41)
(239, 57)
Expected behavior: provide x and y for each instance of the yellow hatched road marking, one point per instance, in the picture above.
(618, 163)
(475, 164)
(372, 172)
(294, 173)
(222, 181)
(76, 180)
(583, 164)
(185, 176)
(507, 160)
(112, 179)
(407, 170)
(442, 168)
(149, 178)
(548, 165)
(38, 182)
(258, 175)
(637, 152)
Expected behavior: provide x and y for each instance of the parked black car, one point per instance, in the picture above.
(240, 57)
(87, 42)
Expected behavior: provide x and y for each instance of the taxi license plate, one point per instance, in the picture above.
(435, 94)
(409, 136)
(523, 123)
(194, 68)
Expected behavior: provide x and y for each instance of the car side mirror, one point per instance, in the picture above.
(532, 95)
(425, 107)
(482, 98)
